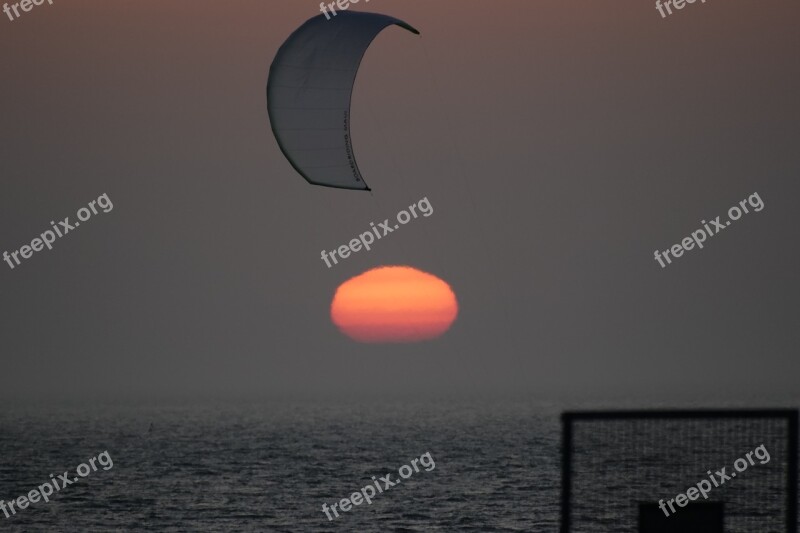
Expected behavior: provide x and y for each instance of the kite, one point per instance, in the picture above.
(308, 94)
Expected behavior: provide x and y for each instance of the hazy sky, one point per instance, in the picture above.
(559, 142)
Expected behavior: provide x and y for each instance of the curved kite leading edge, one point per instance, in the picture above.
(308, 94)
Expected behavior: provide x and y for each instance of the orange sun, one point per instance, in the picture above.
(394, 304)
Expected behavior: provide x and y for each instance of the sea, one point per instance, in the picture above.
(271, 465)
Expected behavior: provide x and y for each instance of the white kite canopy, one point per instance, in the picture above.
(308, 94)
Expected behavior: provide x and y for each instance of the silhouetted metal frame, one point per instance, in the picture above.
(789, 415)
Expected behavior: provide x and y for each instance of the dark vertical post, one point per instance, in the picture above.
(566, 471)
(791, 507)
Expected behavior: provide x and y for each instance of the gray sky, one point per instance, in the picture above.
(559, 142)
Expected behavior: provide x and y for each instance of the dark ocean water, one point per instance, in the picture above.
(271, 466)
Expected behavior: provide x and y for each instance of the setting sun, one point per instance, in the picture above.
(394, 304)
